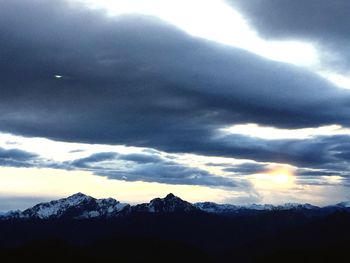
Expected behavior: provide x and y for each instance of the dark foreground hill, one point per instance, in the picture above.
(173, 230)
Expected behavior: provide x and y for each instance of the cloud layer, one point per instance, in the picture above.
(137, 81)
(148, 167)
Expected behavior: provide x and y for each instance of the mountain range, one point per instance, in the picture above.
(80, 228)
(81, 206)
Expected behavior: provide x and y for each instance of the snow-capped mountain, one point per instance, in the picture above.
(169, 204)
(75, 206)
(80, 206)
(211, 207)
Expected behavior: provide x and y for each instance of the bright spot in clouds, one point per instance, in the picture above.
(214, 20)
(218, 21)
(280, 177)
(272, 133)
(341, 81)
(60, 151)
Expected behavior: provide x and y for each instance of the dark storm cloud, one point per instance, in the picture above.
(16, 158)
(149, 168)
(324, 22)
(137, 81)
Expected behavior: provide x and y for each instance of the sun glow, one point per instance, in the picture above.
(281, 176)
(275, 178)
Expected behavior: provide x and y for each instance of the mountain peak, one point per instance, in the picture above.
(77, 199)
(170, 196)
(78, 195)
(168, 204)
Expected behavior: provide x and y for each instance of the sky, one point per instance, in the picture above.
(235, 101)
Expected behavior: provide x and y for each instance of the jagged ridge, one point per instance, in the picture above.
(81, 206)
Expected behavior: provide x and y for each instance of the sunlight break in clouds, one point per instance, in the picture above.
(217, 21)
(341, 81)
(213, 20)
(59, 151)
(272, 133)
(278, 177)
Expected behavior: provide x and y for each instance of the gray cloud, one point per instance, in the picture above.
(16, 158)
(144, 79)
(322, 22)
(173, 173)
(309, 152)
(16, 154)
(149, 167)
(308, 174)
(141, 158)
(94, 158)
(246, 168)
(137, 81)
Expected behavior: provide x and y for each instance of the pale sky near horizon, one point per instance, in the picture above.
(226, 101)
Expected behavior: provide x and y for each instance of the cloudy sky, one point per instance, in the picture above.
(236, 101)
